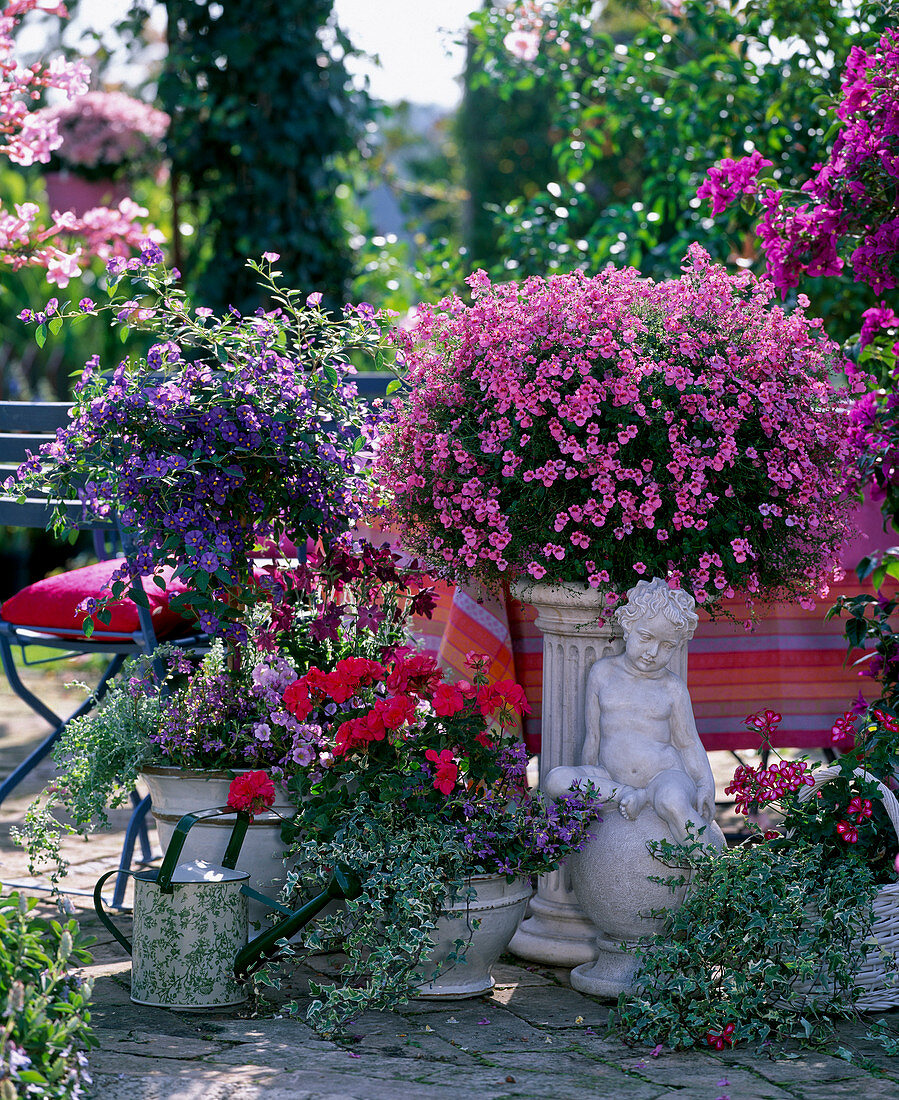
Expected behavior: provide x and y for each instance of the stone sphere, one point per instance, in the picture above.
(610, 875)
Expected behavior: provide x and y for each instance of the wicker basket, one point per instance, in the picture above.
(878, 976)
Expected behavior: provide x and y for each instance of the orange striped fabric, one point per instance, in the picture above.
(793, 662)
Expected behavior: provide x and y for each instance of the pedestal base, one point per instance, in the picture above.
(611, 974)
(554, 938)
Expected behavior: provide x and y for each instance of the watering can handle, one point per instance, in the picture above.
(170, 862)
(101, 912)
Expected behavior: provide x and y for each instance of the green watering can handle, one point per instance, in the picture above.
(343, 884)
(101, 912)
(164, 877)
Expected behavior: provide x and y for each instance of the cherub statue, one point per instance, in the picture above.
(641, 744)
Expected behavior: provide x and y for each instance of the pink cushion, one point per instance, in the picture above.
(53, 601)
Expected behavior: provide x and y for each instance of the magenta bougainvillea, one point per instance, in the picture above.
(600, 429)
(849, 208)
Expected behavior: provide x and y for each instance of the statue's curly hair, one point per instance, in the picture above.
(648, 599)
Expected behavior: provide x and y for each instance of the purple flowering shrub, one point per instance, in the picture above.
(599, 429)
(849, 209)
(230, 431)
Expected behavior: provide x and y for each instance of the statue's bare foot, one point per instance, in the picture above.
(631, 801)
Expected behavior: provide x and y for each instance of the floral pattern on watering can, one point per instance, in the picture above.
(185, 945)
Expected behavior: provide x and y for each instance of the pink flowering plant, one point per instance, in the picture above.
(843, 815)
(28, 137)
(417, 784)
(598, 429)
(843, 221)
(105, 135)
(228, 431)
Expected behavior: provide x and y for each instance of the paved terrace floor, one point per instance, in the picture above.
(532, 1037)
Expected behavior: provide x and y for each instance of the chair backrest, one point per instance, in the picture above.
(24, 426)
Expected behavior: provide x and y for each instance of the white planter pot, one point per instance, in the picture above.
(556, 931)
(179, 791)
(498, 907)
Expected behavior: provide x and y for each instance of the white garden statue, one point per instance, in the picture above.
(643, 753)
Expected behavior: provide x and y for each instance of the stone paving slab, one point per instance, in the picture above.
(533, 1038)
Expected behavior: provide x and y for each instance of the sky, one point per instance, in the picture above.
(414, 40)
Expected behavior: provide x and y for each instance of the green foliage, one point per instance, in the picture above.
(642, 111)
(768, 940)
(99, 757)
(259, 110)
(46, 1022)
(408, 867)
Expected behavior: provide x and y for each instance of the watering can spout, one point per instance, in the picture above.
(343, 884)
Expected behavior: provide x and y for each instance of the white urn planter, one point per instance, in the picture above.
(556, 931)
(485, 924)
(178, 791)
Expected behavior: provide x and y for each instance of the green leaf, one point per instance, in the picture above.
(88, 627)
(40, 335)
(54, 325)
(393, 386)
(331, 374)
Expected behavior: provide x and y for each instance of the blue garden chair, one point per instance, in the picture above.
(43, 615)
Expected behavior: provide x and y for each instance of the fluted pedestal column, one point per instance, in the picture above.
(556, 932)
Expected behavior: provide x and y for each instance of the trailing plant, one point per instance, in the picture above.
(764, 948)
(44, 1018)
(210, 712)
(599, 429)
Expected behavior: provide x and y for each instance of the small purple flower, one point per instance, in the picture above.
(314, 299)
(26, 315)
(209, 624)
(271, 257)
(209, 562)
(151, 253)
(115, 266)
(86, 305)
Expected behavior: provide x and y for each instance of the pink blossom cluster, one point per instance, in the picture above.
(28, 137)
(853, 197)
(104, 129)
(523, 40)
(103, 232)
(754, 787)
(730, 178)
(596, 429)
(25, 137)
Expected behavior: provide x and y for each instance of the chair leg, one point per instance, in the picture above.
(59, 724)
(136, 826)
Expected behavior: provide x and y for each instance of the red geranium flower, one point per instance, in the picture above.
(253, 792)
(861, 808)
(848, 832)
(447, 771)
(447, 700)
(296, 699)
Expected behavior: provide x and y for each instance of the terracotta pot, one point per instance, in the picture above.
(498, 907)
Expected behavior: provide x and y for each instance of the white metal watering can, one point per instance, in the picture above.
(190, 930)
